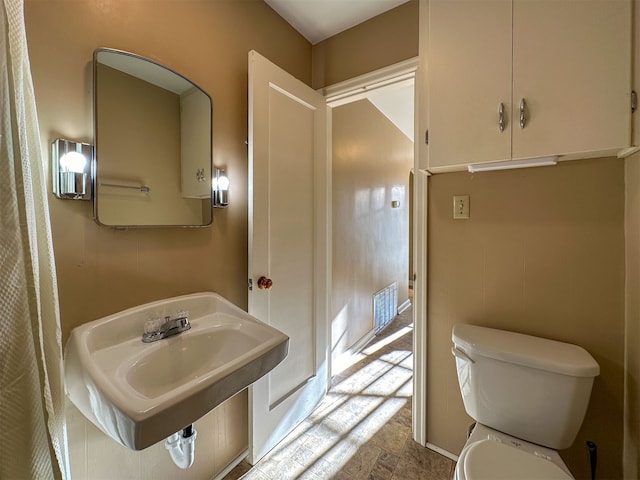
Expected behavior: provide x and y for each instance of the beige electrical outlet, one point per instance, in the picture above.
(460, 206)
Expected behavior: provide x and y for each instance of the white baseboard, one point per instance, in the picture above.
(345, 360)
(360, 344)
(405, 306)
(442, 451)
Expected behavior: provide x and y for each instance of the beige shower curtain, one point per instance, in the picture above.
(32, 429)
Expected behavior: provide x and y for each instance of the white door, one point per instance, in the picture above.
(289, 245)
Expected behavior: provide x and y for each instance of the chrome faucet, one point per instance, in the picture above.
(158, 329)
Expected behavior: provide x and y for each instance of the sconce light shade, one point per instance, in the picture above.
(71, 169)
(220, 188)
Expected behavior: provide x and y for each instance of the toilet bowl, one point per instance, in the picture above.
(493, 455)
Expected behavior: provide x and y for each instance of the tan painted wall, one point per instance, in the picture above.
(101, 271)
(631, 453)
(542, 254)
(372, 160)
(632, 352)
(379, 42)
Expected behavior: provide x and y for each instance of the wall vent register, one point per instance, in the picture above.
(385, 306)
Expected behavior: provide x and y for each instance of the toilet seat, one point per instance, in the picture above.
(494, 460)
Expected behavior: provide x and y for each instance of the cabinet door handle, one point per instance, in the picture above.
(523, 113)
(501, 119)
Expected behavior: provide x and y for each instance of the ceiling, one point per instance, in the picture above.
(396, 103)
(318, 20)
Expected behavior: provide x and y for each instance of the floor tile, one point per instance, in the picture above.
(362, 461)
(384, 467)
(391, 437)
(253, 474)
(324, 469)
(422, 463)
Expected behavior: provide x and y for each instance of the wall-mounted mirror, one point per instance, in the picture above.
(153, 135)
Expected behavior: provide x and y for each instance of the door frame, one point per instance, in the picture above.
(358, 88)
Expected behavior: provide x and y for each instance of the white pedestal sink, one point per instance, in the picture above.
(140, 393)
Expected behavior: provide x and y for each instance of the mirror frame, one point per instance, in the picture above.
(94, 162)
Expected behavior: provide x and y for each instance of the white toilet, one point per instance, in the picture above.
(528, 396)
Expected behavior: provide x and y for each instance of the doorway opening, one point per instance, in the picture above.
(372, 132)
(372, 159)
(395, 76)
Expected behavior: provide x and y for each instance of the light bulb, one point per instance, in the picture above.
(73, 162)
(223, 182)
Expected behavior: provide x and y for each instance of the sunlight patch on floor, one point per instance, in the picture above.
(373, 348)
(346, 360)
(362, 428)
(352, 414)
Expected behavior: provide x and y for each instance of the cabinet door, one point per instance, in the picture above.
(195, 146)
(571, 64)
(469, 70)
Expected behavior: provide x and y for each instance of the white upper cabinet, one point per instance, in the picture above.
(569, 60)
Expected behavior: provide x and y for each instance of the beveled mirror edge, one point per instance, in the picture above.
(94, 167)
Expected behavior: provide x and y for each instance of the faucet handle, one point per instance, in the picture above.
(153, 325)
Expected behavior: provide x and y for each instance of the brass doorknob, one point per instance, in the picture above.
(265, 283)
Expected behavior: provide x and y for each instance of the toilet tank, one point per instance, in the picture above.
(528, 387)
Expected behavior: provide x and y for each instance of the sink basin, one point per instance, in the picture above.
(140, 393)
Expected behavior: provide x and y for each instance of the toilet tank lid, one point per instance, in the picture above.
(527, 350)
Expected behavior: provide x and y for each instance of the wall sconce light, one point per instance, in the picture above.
(71, 171)
(220, 188)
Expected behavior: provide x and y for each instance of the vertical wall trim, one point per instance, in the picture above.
(419, 405)
(420, 184)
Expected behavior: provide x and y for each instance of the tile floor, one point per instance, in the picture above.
(362, 429)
